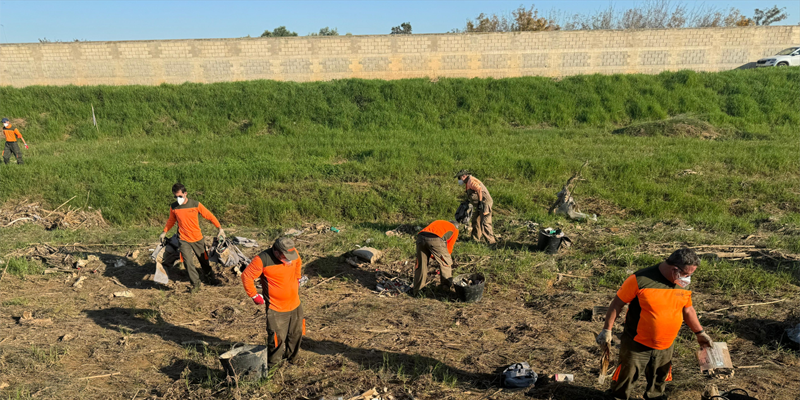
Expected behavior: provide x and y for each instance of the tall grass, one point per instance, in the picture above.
(269, 153)
(746, 99)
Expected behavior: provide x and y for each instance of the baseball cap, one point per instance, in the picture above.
(286, 247)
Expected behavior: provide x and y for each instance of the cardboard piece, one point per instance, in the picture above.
(715, 357)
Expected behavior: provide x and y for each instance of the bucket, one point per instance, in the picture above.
(549, 240)
(248, 362)
(467, 292)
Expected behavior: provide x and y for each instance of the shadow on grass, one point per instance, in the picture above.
(404, 366)
(139, 320)
(550, 390)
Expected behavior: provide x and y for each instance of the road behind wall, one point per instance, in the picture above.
(497, 55)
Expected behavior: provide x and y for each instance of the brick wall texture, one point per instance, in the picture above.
(497, 55)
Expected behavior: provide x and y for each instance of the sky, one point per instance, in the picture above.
(29, 21)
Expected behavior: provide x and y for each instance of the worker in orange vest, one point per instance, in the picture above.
(184, 212)
(11, 134)
(436, 240)
(279, 270)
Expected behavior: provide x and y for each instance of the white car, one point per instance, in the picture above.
(784, 58)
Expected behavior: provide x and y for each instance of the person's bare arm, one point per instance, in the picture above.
(691, 320)
(613, 312)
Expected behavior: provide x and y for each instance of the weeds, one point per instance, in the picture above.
(22, 266)
(50, 356)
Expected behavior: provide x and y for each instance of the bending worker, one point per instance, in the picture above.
(437, 241)
(482, 201)
(278, 269)
(11, 134)
(184, 211)
(659, 304)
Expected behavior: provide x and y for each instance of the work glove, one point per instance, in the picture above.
(258, 299)
(221, 235)
(163, 237)
(26, 145)
(704, 339)
(604, 337)
(479, 208)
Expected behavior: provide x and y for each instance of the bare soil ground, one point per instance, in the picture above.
(431, 347)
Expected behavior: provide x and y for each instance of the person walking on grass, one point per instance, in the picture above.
(279, 269)
(659, 304)
(12, 147)
(184, 212)
(436, 240)
(479, 196)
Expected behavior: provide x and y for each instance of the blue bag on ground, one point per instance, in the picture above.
(519, 375)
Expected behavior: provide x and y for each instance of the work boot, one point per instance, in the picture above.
(195, 288)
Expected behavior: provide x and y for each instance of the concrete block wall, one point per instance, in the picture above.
(497, 55)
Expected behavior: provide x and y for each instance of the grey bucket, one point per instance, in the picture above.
(472, 293)
(248, 362)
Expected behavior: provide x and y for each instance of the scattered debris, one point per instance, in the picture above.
(126, 293)
(368, 254)
(565, 204)
(3, 385)
(293, 232)
(66, 337)
(27, 319)
(303, 280)
(519, 375)
(116, 281)
(133, 255)
(71, 218)
(371, 394)
(226, 253)
(687, 172)
(194, 343)
(79, 283)
(564, 378)
(91, 259)
(102, 376)
(794, 334)
(119, 263)
(389, 286)
(401, 230)
(244, 242)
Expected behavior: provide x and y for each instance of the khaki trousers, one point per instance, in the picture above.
(482, 224)
(429, 245)
(636, 359)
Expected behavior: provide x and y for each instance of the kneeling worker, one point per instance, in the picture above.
(659, 304)
(184, 211)
(437, 240)
(279, 270)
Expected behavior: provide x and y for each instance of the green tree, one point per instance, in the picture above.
(326, 32)
(280, 31)
(402, 29)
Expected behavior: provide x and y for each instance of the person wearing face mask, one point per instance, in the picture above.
(279, 270)
(659, 304)
(184, 212)
(479, 196)
(12, 134)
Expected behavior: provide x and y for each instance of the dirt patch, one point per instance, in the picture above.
(19, 122)
(679, 126)
(63, 217)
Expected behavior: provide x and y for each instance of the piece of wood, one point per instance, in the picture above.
(194, 322)
(748, 367)
(605, 359)
(746, 305)
(102, 376)
(62, 205)
(326, 280)
(18, 219)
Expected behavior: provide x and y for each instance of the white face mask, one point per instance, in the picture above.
(682, 281)
(460, 181)
(180, 200)
(5, 124)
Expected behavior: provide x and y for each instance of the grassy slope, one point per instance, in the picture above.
(275, 152)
